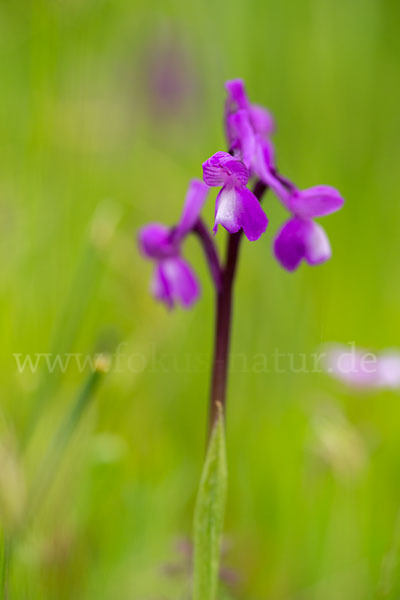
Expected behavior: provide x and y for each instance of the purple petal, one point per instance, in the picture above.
(317, 246)
(194, 201)
(174, 282)
(237, 97)
(155, 241)
(226, 210)
(236, 100)
(264, 161)
(241, 136)
(160, 287)
(257, 153)
(289, 244)
(238, 208)
(254, 221)
(262, 120)
(301, 239)
(223, 169)
(317, 201)
(267, 150)
(263, 167)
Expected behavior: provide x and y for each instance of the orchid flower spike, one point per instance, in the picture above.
(173, 279)
(249, 128)
(236, 206)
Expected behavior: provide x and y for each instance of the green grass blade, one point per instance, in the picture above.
(209, 516)
(64, 433)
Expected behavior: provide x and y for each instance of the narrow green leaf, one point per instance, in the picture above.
(63, 435)
(209, 516)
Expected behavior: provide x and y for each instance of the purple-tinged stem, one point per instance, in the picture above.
(223, 320)
(210, 251)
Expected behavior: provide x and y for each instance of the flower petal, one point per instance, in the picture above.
(222, 169)
(238, 208)
(301, 239)
(226, 210)
(254, 221)
(262, 120)
(263, 167)
(155, 241)
(257, 153)
(175, 282)
(289, 244)
(241, 136)
(317, 201)
(237, 97)
(160, 287)
(317, 247)
(194, 201)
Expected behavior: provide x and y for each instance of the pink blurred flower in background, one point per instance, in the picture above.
(166, 76)
(361, 368)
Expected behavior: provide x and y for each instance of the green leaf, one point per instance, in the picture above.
(209, 515)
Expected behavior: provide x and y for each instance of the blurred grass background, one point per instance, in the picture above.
(107, 108)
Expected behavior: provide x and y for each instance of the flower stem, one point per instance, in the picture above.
(210, 251)
(223, 321)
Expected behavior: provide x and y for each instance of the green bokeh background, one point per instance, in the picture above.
(89, 151)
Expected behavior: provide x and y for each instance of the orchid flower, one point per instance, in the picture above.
(248, 129)
(236, 206)
(173, 279)
(301, 238)
(261, 120)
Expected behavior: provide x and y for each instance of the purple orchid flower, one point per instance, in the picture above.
(261, 120)
(236, 206)
(301, 238)
(173, 279)
(248, 129)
